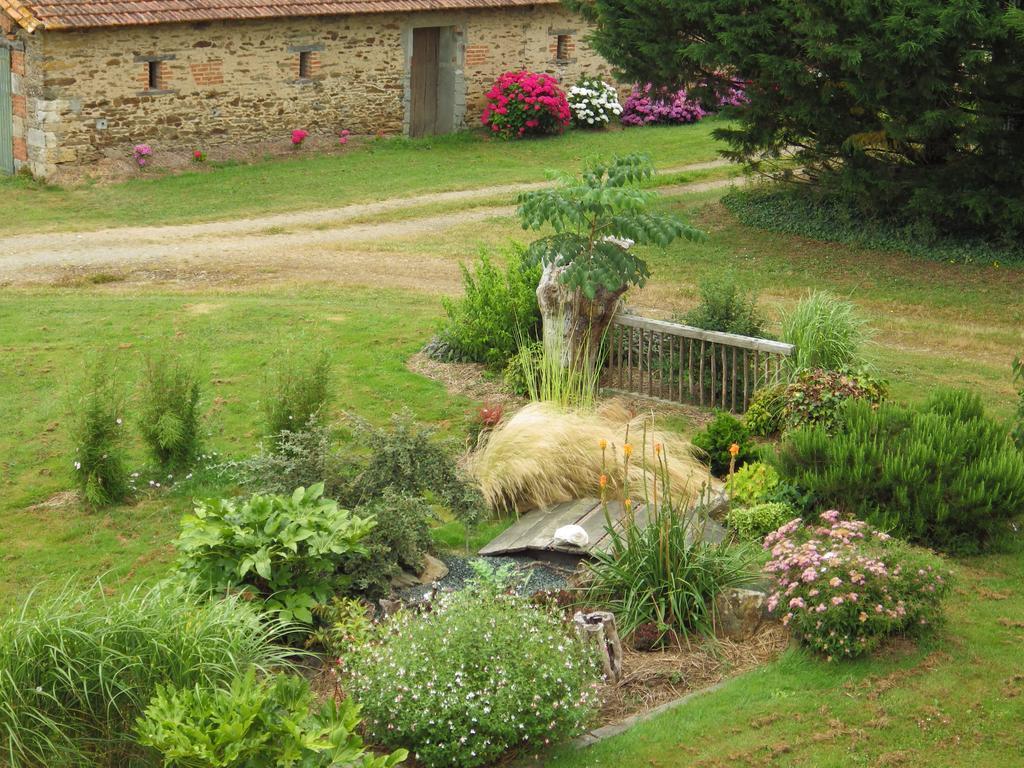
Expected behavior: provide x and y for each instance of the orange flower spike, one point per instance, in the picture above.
(628, 504)
(627, 449)
(734, 449)
(657, 449)
(603, 481)
(603, 444)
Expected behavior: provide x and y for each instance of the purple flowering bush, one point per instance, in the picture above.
(647, 105)
(483, 675)
(843, 587)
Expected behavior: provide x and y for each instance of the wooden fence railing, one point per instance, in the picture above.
(684, 364)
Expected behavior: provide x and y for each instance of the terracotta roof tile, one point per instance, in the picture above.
(75, 14)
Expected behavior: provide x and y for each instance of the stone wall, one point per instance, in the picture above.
(98, 92)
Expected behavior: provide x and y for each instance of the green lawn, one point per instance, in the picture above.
(373, 171)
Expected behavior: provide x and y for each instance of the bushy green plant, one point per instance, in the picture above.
(754, 522)
(406, 457)
(843, 587)
(764, 414)
(484, 675)
(552, 375)
(171, 420)
(97, 433)
(725, 306)
(522, 369)
(497, 309)
(664, 572)
(255, 723)
(287, 551)
(714, 440)
(826, 332)
(345, 624)
(957, 404)
(294, 459)
(1017, 432)
(817, 396)
(925, 476)
(399, 541)
(298, 389)
(77, 668)
(752, 483)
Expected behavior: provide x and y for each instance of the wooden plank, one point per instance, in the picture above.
(701, 382)
(746, 382)
(734, 379)
(689, 367)
(714, 374)
(719, 337)
(536, 528)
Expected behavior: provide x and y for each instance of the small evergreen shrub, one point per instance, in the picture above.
(817, 397)
(171, 421)
(399, 541)
(77, 668)
(764, 414)
(294, 459)
(724, 306)
(287, 551)
(843, 587)
(498, 309)
(957, 404)
(752, 483)
(97, 433)
(723, 431)
(648, 105)
(922, 475)
(826, 332)
(756, 521)
(520, 376)
(345, 624)
(298, 390)
(594, 103)
(483, 676)
(256, 723)
(524, 104)
(1017, 432)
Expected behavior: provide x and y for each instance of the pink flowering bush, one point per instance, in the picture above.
(526, 104)
(843, 586)
(141, 153)
(647, 105)
(483, 675)
(299, 136)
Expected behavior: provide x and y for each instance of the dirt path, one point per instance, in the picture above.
(273, 242)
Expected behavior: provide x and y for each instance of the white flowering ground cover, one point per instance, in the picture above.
(594, 103)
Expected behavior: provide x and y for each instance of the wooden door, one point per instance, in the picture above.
(426, 44)
(6, 113)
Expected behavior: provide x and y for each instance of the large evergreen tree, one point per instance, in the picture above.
(911, 109)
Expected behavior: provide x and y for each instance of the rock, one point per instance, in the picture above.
(433, 570)
(740, 613)
(404, 580)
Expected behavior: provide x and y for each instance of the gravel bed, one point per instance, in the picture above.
(529, 575)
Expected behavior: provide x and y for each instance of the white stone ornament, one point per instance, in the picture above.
(572, 534)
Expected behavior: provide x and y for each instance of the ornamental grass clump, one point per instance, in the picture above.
(524, 104)
(77, 668)
(298, 390)
(97, 433)
(483, 676)
(827, 333)
(843, 587)
(171, 419)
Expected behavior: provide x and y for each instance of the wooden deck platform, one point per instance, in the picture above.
(534, 531)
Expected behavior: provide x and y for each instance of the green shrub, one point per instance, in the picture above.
(170, 421)
(287, 551)
(298, 390)
(1017, 432)
(97, 433)
(756, 521)
(345, 624)
(498, 308)
(723, 431)
(523, 368)
(826, 332)
(294, 459)
(77, 668)
(925, 476)
(724, 306)
(957, 404)
(752, 483)
(817, 397)
(406, 458)
(484, 675)
(255, 723)
(843, 587)
(400, 540)
(764, 414)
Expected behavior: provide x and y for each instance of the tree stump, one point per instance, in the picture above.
(598, 631)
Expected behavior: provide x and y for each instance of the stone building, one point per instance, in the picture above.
(84, 79)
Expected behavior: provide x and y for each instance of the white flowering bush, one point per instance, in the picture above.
(593, 103)
(485, 674)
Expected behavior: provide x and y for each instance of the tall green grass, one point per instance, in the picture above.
(826, 332)
(77, 669)
(551, 379)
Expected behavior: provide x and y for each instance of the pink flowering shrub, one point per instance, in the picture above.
(843, 586)
(526, 104)
(484, 675)
(141, 154)
(299, 136)
(647, 105)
